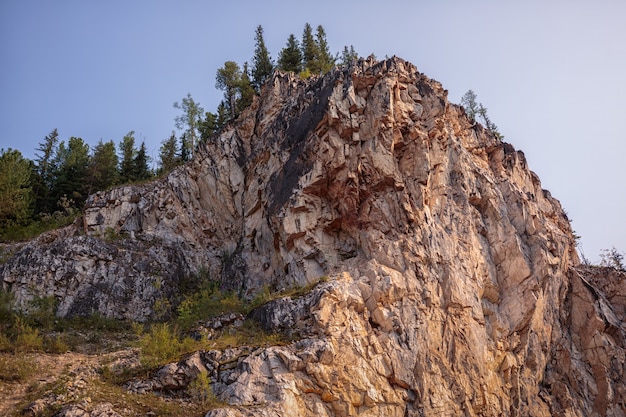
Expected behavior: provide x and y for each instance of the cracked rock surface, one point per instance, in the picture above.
(454, 287)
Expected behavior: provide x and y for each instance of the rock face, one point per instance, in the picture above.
(452, 284)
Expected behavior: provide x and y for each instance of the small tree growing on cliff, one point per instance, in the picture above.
(262, 65)
(473, 108)
(612, 258)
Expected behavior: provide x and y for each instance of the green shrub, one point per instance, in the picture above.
(27, 338)
(161, 344)
(200, 390)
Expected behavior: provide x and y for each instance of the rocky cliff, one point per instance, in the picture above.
(453, 285)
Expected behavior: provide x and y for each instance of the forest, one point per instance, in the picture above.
(49, 191)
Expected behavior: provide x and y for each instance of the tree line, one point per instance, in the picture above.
(64, 172)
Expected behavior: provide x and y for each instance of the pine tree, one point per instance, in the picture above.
(348, 55)
(290, 57)
(168, 155)
(222, 116)
(246, 90)
(15, 190)
(208, 126)
(141, 164)
(102, 172)
(310, 51)
(43, 177)
(128, 154)
(71, 164)
(468, 101)
(185, 148)
(262, 65)
(325, 60)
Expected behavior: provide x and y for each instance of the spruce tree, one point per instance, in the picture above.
(208, 126)
(141, 164)
(102, 172)
(71, 165)
(43, 177)
(310, 51)
(325, 60)
(127, 157)
(246, 90)
(15, 188)
(348, 55)
(290, 57)
(262, 65)
(168, 154)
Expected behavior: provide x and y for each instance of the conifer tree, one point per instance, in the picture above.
(348, 55)
(127, 157)
(102, 172)
(15, 190)
(290, 57)
(468, 101)
(310, 51)
(222, 116)
(325, 60)
(71, 165)
(246, 90)
(168, 154)
(141, 164)
(43, 177)
(208, 126)
(262, 65)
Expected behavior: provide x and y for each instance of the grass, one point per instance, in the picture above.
(24, 335)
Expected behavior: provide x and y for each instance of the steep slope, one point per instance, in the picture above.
(452, 289)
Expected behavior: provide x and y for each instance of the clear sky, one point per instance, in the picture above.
(552, 74)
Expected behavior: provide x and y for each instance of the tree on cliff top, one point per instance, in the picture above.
(262, 65)
(290, 57)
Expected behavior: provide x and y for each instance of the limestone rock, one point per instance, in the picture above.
(452, 287)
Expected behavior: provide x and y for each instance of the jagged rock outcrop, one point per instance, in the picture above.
(452, 289)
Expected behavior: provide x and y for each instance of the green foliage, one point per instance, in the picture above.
(262, 65)
(200, 390)
(161, 344)
(102, 172)
(246, 90)
(290, 57)
(310, 50)
(71, 163)
(16, 195)
(348, 55)
(474, 109)
(141, 168)
(44, 174)
(168, 154)
(468, 101)
(228, 79)
(111, 235)
(27, 338)
(325, 60)
(189, 122)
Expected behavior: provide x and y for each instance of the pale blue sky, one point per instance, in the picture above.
(552, 73)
